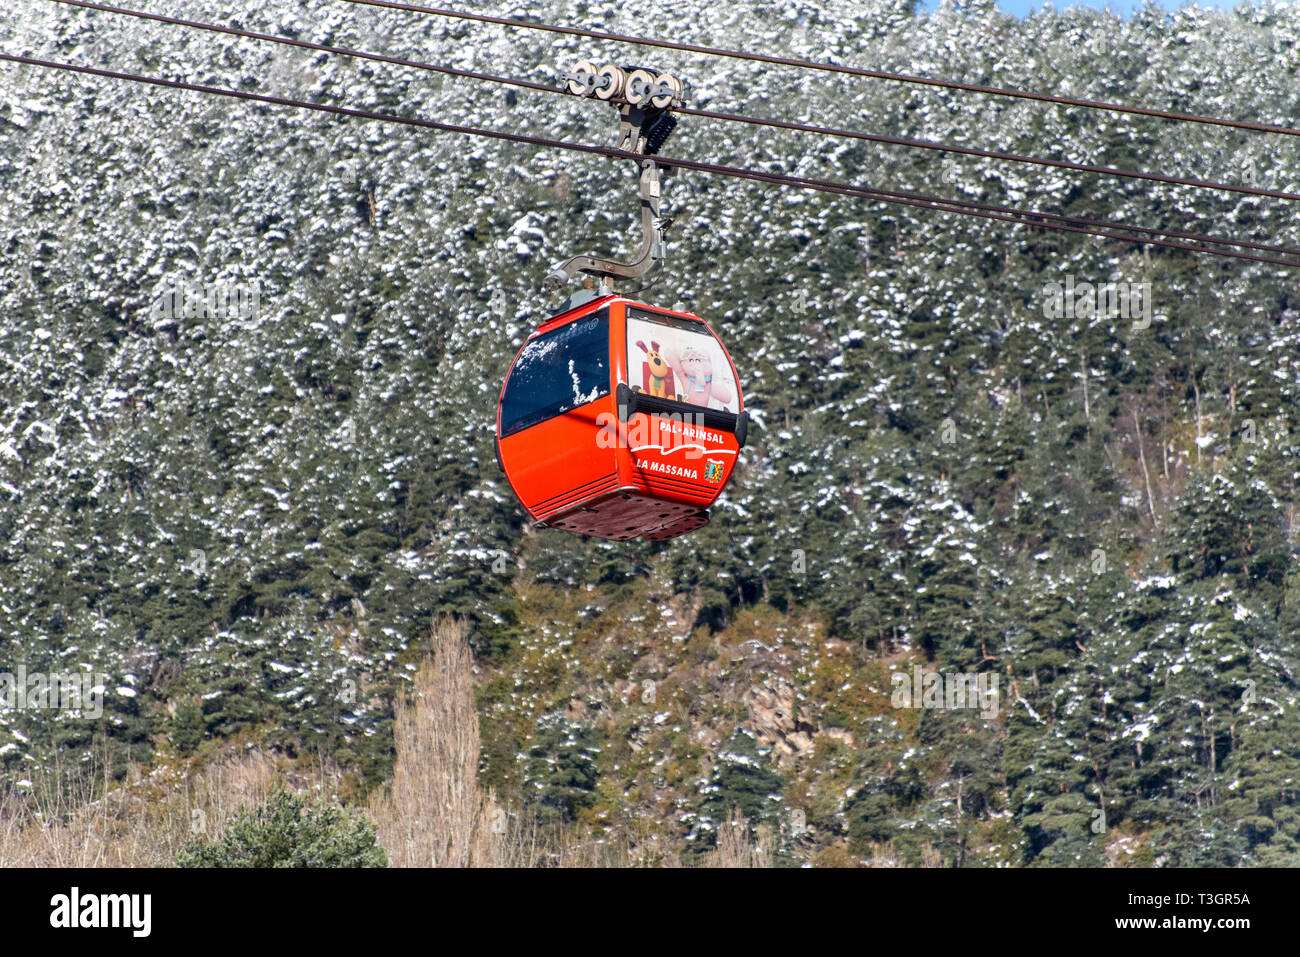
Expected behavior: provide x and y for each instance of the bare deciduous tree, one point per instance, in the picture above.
(429, 815)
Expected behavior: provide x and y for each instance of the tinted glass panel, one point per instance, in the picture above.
(558, 372)
(678, 359)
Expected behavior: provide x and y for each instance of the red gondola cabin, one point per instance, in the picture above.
(618, 419)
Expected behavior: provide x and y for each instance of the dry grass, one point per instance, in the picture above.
(734, 848)
(884, 855)
(432, 814)
(72, 818)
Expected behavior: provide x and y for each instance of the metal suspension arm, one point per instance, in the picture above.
(645, 123)
(651, 240)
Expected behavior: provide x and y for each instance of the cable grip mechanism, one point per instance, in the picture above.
(644, 100)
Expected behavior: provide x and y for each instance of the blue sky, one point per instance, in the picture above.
(1021, 7)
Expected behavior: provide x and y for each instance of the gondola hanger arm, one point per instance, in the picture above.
(644, 100)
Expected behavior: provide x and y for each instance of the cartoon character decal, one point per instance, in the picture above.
(683, 362)
(694, 368)
(656, 376)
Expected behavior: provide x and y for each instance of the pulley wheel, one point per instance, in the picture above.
(640, 87)
(582, 78)
(610, 82)
(667, 90)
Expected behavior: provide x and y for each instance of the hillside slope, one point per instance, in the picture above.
(247, 521)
